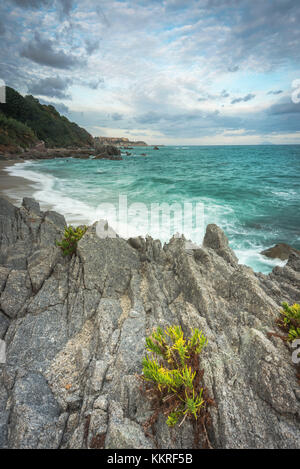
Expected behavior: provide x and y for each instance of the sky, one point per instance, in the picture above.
(208, 72)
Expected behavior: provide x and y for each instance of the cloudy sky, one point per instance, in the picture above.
(172, 71)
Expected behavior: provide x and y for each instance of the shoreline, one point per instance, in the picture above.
(14, 188)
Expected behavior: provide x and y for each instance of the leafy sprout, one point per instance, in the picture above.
(171, 368)
(71, 237)
(291, 320)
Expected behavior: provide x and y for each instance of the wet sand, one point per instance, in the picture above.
(14, 188)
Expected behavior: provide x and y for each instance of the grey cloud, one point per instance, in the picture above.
(102, 15)
(151, 117)
(191, 124)
(275, 92)
(175, 5)
(60, 107)
(2, 28)
(31, 3)
(233, 68)
(284, 108)
(91, 46)
(267, 32)
(225, 94)
(41, 51)
(64, 6)
(54, 87)
(180, 117)
(244, 99)
(116, 116)
(93, 84)
(216, 97)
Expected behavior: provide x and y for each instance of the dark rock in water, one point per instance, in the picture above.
(82, 157)
(155, 148)
(280, 251)
(108, 157)
(75, 330)
(107, 149)
(108, 152)
(143, 154)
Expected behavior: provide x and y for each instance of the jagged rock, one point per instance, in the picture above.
(32, 206)
(17, 290)
(215, 239)
(280, 251)
(109, 152)
(75, 329)
(4, 323)
(40, 265)
(136, 243)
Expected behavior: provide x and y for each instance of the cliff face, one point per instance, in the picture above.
(75, 331)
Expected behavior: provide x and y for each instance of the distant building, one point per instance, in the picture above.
(119, 141)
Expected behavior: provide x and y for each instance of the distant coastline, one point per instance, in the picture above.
(119, 142)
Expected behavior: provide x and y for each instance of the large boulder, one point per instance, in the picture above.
(108, 152)
(280, 251)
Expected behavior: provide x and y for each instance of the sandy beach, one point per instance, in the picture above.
(14, 188)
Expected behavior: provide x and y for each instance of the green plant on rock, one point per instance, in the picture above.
(71, 237)
(291, 320)
(171, 369)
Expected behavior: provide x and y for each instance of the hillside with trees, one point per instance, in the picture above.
(24, 121)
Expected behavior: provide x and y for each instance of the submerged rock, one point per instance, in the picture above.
(280, 251)
(75, 330)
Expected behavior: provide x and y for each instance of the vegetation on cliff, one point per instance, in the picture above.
(174, 377)
(39, 121)
(71, 237)
(13, 132)
(290, 320)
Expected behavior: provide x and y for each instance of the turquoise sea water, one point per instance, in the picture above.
(252, 192)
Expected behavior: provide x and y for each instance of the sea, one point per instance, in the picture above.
(251, 192)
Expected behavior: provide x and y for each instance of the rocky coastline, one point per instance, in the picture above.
(75, 327)
(41, 152)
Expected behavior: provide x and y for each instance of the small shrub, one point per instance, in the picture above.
(291, 320)
(171, 368)
(71, 237)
